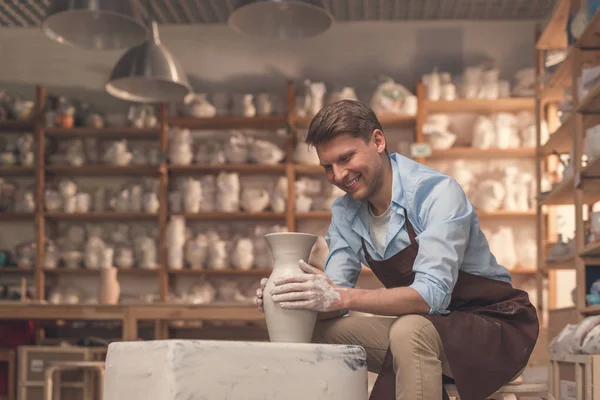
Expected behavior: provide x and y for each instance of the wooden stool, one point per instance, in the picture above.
(8, 356)
(50, 391)
(512, 391)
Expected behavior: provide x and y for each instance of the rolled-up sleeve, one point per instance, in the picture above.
(445, 214)
(342, 265)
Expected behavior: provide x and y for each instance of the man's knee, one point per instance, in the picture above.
(410, 332)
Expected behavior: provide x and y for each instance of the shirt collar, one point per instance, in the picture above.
(354, 206)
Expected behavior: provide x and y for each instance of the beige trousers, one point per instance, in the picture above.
(419, 359)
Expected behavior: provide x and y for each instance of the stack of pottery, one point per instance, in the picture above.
(217, 252)
(192, 195)
(196, 251)
(175, 242)
(228, 192)
(180, 147)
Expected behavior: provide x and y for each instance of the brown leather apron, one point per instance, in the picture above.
(488, 335)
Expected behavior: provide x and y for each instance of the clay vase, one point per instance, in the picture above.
(109, 286)
(286, 325)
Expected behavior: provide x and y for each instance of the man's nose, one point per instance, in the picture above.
(339, 174)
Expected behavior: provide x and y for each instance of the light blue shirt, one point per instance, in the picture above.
(446, 224)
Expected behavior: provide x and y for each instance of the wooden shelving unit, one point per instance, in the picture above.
(581, 188)
(482, 107)
(166, 173)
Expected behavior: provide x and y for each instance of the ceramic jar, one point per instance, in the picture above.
(285, 325)
(110, 289)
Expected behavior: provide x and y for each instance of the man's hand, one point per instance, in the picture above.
(310, 291)
(259, 294)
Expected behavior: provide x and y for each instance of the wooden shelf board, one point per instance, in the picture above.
(388, 121)
(15, 270)
(221, 272)
(592, 169)
(591, 102)
(217, 168)
(314, 215)
(506, 214)
(567, 262)
(561, 78)
(309, 169)
(16, 126)
(562, 194)
(101, 216)
(554, 35)
(590, 38)
(16, 170)
(229, 122)
(103, 133)
(472, 152)
(591, 250)
(511, 104)
(240, 215)
(561, 140)
(591, 310)
(482, 215)
(103, 170)
(590, 184)
(16, 216)
(522, 271)
(86, 271)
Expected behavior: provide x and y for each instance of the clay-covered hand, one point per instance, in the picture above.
(259, 294)
(309, 291)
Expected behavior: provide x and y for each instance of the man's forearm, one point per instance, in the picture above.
(391, 302)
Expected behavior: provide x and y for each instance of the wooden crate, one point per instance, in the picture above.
(33, 359)
(574, 377)
(74, 385)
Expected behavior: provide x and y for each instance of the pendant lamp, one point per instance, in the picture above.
(95, 24)
(148, 73)
(280, 19)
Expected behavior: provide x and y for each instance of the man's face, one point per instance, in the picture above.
(352, 164)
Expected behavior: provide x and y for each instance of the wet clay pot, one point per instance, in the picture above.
(285, 325)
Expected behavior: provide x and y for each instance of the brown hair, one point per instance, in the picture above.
(344, 116)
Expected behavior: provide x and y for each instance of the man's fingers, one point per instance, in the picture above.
(309, 268)
(291, 287)
(259, 292)
(293, 296)
(293, 279)
(307, 304)
(263, 282)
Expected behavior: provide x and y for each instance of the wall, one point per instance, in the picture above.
(216, 58)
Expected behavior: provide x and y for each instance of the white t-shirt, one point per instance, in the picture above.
(379, 228)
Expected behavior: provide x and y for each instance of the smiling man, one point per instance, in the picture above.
(448, 308)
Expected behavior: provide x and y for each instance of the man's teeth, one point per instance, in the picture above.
(352, 182)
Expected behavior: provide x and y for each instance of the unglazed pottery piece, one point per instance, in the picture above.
(234, 370)
(110, 289)
(286, 325)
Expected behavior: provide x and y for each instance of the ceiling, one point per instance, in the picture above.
(29, 13)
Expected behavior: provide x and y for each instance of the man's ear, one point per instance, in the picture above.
(379, 141)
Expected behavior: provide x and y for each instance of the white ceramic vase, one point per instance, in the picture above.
(288, 325)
